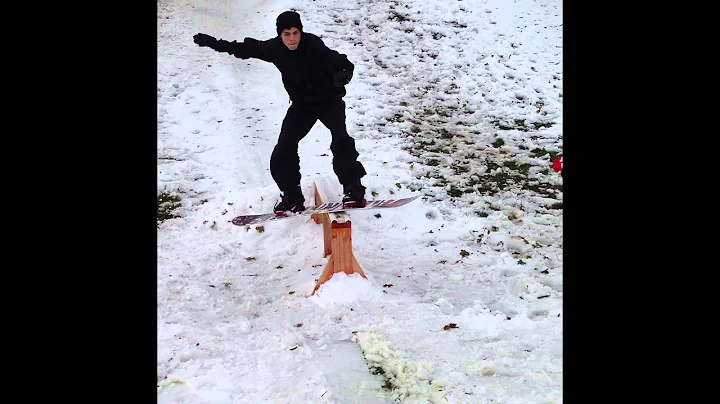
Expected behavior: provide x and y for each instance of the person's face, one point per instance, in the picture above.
(291, 37)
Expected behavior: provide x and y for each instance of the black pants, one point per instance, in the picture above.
(300, 118)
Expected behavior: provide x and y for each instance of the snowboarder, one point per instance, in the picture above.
(314, 77)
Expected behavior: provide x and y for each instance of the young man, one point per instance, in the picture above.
(314, 77)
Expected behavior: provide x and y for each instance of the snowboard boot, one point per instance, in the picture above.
(354, 196)
(290, 202)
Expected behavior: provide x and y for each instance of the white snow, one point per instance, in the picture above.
(437, 85)
(343, 289)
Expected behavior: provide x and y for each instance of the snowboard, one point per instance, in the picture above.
(331, 207)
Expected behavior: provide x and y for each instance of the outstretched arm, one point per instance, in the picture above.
(249, 48)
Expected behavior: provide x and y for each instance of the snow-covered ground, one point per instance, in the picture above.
(458, 101)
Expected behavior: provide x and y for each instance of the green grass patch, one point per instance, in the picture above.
(455, 192)
(395, 16)
(541, 152)
(521, 125)
(396, 118)
(460, 169)
(539, 125)
(166, 204)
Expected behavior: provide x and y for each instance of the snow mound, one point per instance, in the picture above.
(343, 289)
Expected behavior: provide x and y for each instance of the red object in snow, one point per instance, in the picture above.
(557, 165)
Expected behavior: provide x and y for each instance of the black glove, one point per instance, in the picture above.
(342, 78)
(204, 40)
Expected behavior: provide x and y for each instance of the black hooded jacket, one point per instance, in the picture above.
(307, 72)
